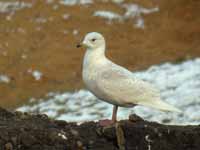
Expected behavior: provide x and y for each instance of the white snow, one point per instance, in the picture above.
(62, 135)
(49, 1)
(147, 138)
(149, 141)
(118, 1)
(75, 2)
(24, 56)
(55, 7)
(9, 17)
(179, 85)
(4, 78)
(13, 6)
(135, 11)
(40, 20)
(4, 53)
(83, 2)
(66, 16)
(108, 15)
(36, 74)
(132, 11)
(75, 32)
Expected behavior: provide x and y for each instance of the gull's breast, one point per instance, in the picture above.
(91, 71)
(90, 75)
(92, 66)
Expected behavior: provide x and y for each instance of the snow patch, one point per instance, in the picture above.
(4, 79)
(75, 2)
(118, 1)
(62, 135)
(75, 32)
(66, 16)
(133, 11)
(179, 85)
(6, 7)
(49, 1)
(36, 74)
(108, 15)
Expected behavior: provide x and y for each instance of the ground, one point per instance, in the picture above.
(24, 131)
(42, 38)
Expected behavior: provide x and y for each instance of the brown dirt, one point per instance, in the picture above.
(172, 34)
(22, 131)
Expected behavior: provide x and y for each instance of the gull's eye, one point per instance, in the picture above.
(93, 40)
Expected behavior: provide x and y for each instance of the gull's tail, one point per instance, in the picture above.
(161, 105)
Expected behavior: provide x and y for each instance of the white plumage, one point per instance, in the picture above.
(113, 83)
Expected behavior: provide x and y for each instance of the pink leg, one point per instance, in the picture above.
(114, 114)
(114, 118)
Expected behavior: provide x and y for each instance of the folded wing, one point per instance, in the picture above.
(119, 85)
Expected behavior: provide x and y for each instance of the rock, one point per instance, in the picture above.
(8, 146)
(31, 132)
(135, 118)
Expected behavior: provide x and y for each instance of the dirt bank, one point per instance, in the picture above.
(22, 131)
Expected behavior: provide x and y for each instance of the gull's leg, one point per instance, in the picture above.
(114, 114)
(114, 118)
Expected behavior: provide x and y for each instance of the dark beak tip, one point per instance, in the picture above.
(78, 45)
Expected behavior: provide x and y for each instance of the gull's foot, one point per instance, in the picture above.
(106, 122)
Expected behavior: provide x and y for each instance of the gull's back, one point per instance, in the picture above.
(119, 86)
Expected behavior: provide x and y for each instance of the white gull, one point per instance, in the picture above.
(115, 84)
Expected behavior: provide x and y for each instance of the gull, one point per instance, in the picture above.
(113, 83)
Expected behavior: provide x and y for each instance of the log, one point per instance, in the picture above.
(24, 131)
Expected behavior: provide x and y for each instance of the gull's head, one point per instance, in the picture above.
(94, 40)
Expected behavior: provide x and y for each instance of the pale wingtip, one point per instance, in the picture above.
(172, 109)
(178, 110)
(161, 105)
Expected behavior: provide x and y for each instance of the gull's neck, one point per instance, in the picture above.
(97, 53)
(94, 56)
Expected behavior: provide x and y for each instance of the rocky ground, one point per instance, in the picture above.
(23, 131)
(38, 39)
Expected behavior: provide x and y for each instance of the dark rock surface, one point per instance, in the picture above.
(23, 131)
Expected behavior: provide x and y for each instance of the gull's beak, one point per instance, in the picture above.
(82, 44)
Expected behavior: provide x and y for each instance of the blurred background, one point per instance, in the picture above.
(40, 66)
